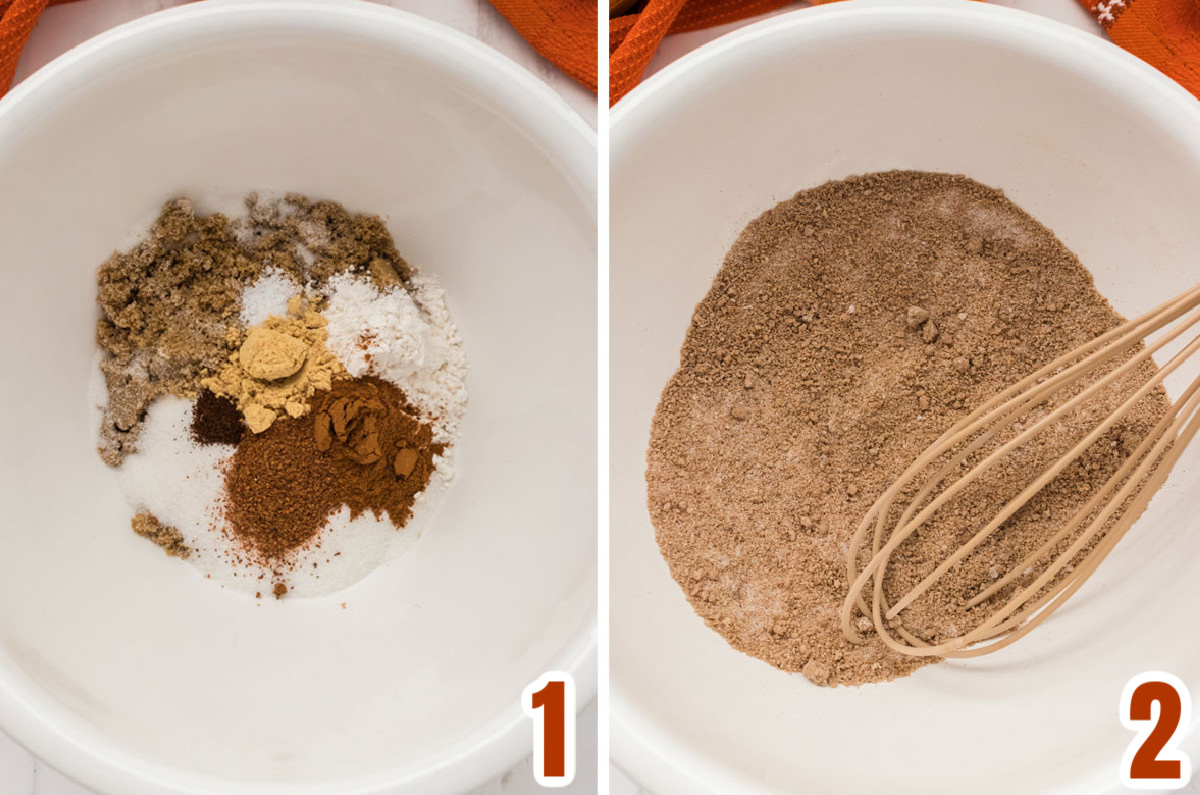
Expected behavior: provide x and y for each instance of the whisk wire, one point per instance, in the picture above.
(1115, 506)
(1043, 382)
(1159, 432)
(1022, 623)
(1049, 474)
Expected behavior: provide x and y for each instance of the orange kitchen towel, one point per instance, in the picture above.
(634, 38)
(564, 32)
(17, 18)
(1164, 33)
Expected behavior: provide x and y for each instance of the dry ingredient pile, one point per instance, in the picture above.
(279, 392)
(846, 330)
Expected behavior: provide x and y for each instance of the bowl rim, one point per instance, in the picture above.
(29, 714)
(640, 745)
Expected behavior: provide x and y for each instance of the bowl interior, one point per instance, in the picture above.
(1087, 140)
(127, 668)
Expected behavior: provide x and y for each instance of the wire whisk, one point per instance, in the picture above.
(1041, 582)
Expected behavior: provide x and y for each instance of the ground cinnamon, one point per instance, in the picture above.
(361, 445)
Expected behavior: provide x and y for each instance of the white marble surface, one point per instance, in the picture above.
(63, 27)
(1068, 11)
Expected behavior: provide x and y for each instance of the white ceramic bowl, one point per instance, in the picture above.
(126, 669)
(1087, 139)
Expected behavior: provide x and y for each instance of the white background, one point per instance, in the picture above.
(63, 27)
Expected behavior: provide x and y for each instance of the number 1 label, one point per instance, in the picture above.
(550, 701)
(1157, 706)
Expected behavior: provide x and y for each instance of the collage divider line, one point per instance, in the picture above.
(602, 403)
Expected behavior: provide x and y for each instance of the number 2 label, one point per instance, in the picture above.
(550, 701)
(1157, 706)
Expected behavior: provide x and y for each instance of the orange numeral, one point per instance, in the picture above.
(550, 701)
(1152, 760)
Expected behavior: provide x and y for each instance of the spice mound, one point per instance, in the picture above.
(363, 446)
(276, 366)
(847, 329)
(282, 392)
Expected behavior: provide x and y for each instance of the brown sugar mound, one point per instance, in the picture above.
(166, 305)
(361, 445)
(168, 538)
(846, 330)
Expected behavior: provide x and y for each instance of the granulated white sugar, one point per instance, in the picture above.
(268, 296)
(403, 336)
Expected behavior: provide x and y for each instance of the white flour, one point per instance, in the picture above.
(404, 337)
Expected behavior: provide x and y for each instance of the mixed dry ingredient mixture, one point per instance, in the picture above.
(847, 329)
(280, 391)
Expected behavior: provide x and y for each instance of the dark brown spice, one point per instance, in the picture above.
(216, 420)
(354, 448)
